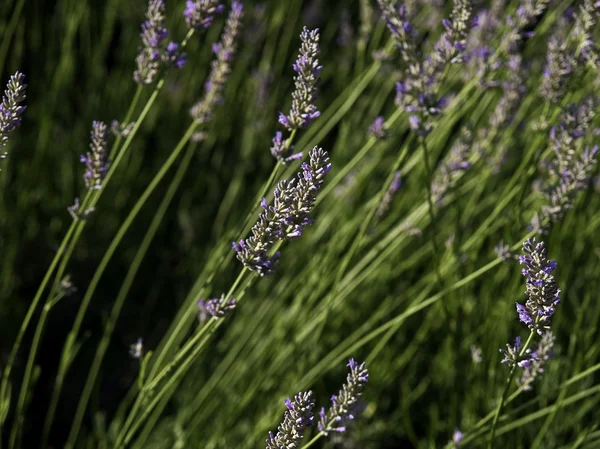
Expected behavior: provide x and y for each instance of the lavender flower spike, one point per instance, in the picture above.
(153, 34)
(199, 14)
(287, 217)
(307, 69)
(220, 67)
(96, 160)
(543, 295)
(10, 108)
(297, 417)
(343, 405)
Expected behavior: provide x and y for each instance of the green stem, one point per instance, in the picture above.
(507, 385)
(27, 319)
(434, 244)
(109, 327)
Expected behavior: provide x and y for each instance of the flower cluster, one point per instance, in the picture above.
(11, 108)
(287, 217)
(199, 14)
(571, 168)
(559, 65)
(215, 307)
(342, 405)
(297, 417)
(456, 163)
(527, 13)
(303, 110)
(154, 54)
(96, 160)
(220, 67)
(376, 129)
(386, 202)
(404, 35)
(307, 69)
(418, 92)
(543, 295)
(587, 51)
(136, 350)
(538, 356)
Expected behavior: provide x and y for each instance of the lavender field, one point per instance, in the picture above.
(304, 223)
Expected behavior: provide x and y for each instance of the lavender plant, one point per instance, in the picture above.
(543, 296)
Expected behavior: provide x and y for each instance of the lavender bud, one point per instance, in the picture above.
(343, 405)
(76, 213)
(297, 417)
(199, 14)
(476, 355)
(221, 66)
(10, 108)
(120, 129)
(136, 350)
(386, 202)
(307, 69)
(376, 129)
(215, 307)
(538, 357)
(96, 160)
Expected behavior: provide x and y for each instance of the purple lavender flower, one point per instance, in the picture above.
(307, 69)
(376, 129)
(539, 355)
(457, 437)
(417, 93)
(386, 202)
(527, 13)
(96, 160)
(216, 307)
(199, 14)
(570, 170)
(343, 405)
(153, 34)
(11, 108)
(543, 295)
(284, 151)
(398, 23)
(287, 217)
(585, 19)
(297, 417)
(559, 65)
(221, 66)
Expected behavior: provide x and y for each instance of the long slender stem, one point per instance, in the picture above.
(431, 211)
(119, 303)
(507, 385)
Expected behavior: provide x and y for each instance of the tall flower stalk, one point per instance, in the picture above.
(543, 296)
